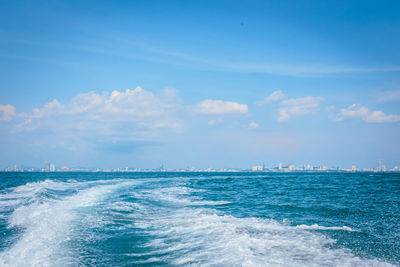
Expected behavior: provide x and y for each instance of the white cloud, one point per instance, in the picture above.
(85, 102)
(273, 97)
(389, 96)
(253, 125)
(7, 111)
(137, 102)
(295, 107)
(51, 108)
(220, 107)
(133, 103)
(129, 112)
(357, 111)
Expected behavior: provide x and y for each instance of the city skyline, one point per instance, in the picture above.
(206, 84)
(50, 167)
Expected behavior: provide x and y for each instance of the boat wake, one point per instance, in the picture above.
(165, 223)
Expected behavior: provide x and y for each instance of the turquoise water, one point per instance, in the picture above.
(209, 219)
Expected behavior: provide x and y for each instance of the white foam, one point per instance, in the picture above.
(178, 196)
(319, 227)
(199, 236)
(185, 233)
(202, 237)
(46, 223)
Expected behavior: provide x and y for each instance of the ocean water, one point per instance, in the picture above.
(199, 219)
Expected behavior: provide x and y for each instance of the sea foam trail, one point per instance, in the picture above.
(183, 229)
(319, 227)
(45, 221)
(202, 236)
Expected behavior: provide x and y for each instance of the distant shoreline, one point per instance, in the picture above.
(200, 171)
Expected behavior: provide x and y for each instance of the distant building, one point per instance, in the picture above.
(52, 167)
(49, 168)
(257, 168)
(15, 168)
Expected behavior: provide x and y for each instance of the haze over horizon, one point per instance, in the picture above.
(205, 84)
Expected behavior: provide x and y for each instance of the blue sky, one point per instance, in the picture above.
(203, 84)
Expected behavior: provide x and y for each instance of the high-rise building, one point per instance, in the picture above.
(257, 168)
(49, 168)
(52, 167)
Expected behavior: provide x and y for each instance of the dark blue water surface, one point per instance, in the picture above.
(209, 219)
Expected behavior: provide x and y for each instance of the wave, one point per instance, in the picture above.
(177, 196)
(318, 227)
(185, 234)
(46, 222)
(182, 228)
(204, 237)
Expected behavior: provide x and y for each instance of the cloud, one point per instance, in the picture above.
(220, 107)
(389, 96)
(253, 125)
(296, 107)
(273, 97)
(51, 108)
(174, 57)
(137, 103)
(129, 113)
(357, 111)
(7, 112)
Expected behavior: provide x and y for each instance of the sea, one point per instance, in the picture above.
(199, 219)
